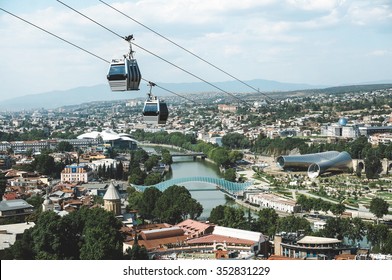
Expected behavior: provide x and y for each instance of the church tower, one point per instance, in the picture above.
(47, 205)
(112, 200)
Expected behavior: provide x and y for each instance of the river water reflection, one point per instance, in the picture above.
(187, 167)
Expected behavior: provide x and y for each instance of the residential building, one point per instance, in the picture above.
(267, 200)
(199, 239)
(74, 174)
(5, 162)
(229, 108)
(15, 207)
(298, 246)
(12, 232)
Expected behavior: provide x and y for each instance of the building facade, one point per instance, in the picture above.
(266, 200)
(292, 245)
(15, 207)
(74, 174)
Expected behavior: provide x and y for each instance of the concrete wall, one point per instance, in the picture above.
(386, 165)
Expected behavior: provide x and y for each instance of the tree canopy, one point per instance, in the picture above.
(235, 141)
(373, 167)
(89, 234)
(176, 204)
(172, 206)
(64, 146)
(379, 207)
(3, 184)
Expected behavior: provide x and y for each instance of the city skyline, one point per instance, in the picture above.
(298, 41)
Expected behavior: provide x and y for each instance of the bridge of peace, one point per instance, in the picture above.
(232, 188)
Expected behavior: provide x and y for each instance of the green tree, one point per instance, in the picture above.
(3, 185)
(220, 156)
(230, 175)
(136, 176)
(357, 230)
(379, 207)
(177, 204)
(102, 239)
(64, 146)
(336, 228)
(44, 164)
(305, 203)
(84, 234)
(148, 202)
(234, 218)
(36, 201)
(48, 237)
(134, 200)
(22, 249)
(267, 221)
(217, 215)
(152, 179)
(377, 234)
(137, 252)
(235, 141)
(293, 224)
(166, 157)
(387, 248)
(151, 162)
(119, 171)
(373, 167)
(235, 156)
(193, 209)
(337, 209)
(359, 146)
(29, 153)
(139, 156)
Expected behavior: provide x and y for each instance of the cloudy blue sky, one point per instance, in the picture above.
(322, 42)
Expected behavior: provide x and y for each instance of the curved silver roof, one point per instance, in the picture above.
(316, 163)
(342, 162)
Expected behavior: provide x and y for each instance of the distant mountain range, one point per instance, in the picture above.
(55, 99)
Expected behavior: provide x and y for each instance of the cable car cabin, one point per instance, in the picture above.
(134, 75)
(163, 113)
(123, 75)
(155, 111)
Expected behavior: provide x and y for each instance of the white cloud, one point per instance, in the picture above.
(380, 53)
(250, 34)
(315, 5)
(370, 13)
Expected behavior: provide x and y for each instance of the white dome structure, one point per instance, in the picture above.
(47, 205)
(108, 136)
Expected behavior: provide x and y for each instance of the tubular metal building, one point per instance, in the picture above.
(318, 163)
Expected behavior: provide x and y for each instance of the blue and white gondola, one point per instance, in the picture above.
(155, 111)
(124, 74)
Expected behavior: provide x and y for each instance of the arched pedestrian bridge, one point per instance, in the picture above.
(226, 186)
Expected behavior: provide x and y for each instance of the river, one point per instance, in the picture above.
(187, 167)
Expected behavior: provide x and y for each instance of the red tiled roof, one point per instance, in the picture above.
(345, 257)
(192, 227)
(157, 244)
(10, 196)
(211, 238)
(276, 257)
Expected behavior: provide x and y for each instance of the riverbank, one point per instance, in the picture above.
(175, 148)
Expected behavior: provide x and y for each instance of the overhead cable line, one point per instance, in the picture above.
(83, 49)
(167, 61)
(58, 37)
(186, 50)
